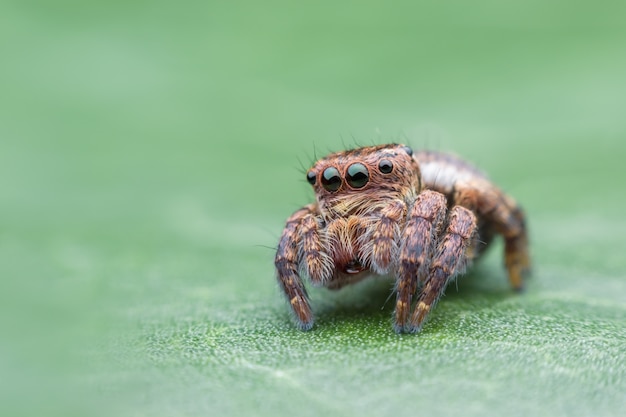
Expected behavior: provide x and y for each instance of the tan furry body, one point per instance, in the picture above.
(421, 218)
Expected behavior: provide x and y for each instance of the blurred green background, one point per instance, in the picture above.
(150, 152)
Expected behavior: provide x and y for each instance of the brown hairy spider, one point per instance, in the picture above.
(421, 218)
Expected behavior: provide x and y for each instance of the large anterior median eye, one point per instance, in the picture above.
(331, 180)
(357, 175)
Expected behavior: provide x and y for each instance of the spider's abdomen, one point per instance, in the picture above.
(441, 171)
(444, 172)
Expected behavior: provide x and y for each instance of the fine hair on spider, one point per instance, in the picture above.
(420, 217)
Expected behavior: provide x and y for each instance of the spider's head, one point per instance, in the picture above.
(358, 180)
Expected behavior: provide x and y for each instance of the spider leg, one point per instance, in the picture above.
(516, 257)
(287, 261)
(425, 221)
(508, 219)
(450, 259)
(315, 262)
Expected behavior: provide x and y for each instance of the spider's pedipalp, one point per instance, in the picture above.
(381, 239)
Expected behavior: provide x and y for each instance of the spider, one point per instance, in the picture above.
(420, 218)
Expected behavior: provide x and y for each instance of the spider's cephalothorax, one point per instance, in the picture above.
(384, 210)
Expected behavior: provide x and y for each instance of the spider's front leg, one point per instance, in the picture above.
(300, 248)
(449, 259)
(425, 221)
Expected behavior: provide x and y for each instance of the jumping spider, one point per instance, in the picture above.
(420, 217)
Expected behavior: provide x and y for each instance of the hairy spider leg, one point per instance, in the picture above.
(424, 224)
(287, 261)
(449, 260)
(312, 255)
(516, 257)
(508, 220)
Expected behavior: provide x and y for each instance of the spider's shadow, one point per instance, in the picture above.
(374, 297)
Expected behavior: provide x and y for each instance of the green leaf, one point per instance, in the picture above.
(150, 154)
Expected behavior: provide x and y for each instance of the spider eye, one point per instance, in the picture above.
(357, 175)
(331, 181)
(408, 150)
(385, 166)
(310, 177)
